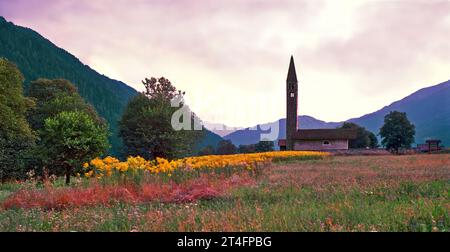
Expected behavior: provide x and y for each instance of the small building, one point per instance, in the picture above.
(320, 139)
(429, 146)
(323, 139)
(308, 139)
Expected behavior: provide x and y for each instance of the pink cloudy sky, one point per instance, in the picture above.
(231, 57)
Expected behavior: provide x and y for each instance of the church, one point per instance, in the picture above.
(308, 139)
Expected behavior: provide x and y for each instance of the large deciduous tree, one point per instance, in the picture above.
(160, 88)
(397, 131)
(264, 146)
(15, 134)
(71, 138)
(373, 140)
(146, 127)
(226, 147)
(364, 138)
(207, 150)
(247, 148)
(53, 97)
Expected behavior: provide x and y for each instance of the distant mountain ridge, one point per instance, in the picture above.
(37, 57)
(220, 129)
(428, 109)
(253, 134)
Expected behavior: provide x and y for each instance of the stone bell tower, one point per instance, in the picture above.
(291, 105)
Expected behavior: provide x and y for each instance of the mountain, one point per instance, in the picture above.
(210, 138)
(38, 57)
(253, 135)
(220, 129)
(428, 109)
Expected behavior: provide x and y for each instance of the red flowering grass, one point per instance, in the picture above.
(203, 188)
(362, 171)
(357, 172)
(337, 194)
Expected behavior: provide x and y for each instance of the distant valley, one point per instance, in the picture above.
(428, 109)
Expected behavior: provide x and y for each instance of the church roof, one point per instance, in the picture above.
(325, 134)
(292, 75)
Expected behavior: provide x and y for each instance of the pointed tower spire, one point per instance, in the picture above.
(292, 75)
(291, 105)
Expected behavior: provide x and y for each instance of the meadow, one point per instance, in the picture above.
(263, 192)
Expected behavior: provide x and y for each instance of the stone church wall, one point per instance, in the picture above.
(321, 145)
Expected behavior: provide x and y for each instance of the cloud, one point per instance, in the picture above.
(392, 36)
(231, 56)
(397, 48)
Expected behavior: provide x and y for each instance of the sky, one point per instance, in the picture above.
(232, 56)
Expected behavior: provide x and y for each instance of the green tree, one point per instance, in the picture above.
(37, 57)
(247, 148)
(71, 138)
(160, 88)
(364, 138)
(53, 97)
(16, 137)
(207, 150)
(397, 131)
(373, 141)
(226, 147)
(146, 127)
(264, 146)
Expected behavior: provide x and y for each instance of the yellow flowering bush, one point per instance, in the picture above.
(108, 166)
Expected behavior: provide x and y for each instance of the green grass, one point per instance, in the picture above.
(412, 203)
(409, 207)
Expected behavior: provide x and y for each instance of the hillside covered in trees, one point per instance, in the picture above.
(37, 57)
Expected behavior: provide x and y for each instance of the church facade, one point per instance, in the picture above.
(308, 139)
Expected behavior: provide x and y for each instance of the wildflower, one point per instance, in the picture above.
(110, 165)
(88, 174)
(122, 167)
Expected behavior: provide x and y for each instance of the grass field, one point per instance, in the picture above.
(357, 193)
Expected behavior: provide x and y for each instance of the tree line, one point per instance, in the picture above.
(52, 130)
(226, 147)
(396, 133)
